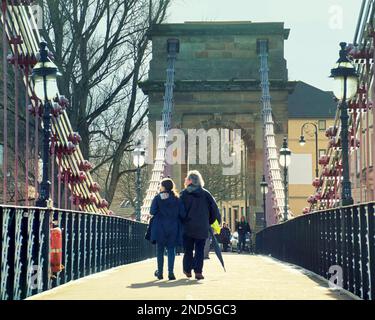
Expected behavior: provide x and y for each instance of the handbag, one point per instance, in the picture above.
(148, 231)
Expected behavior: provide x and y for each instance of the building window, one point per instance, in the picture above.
(322, 125)
(236, 218)
(322, 152)
(259, 219)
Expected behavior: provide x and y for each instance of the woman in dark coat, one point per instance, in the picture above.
(201, 212)
(166, 230)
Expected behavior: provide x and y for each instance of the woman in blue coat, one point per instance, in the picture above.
(166, 230)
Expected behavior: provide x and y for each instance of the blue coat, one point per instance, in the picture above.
(201, 212)
(168, 212)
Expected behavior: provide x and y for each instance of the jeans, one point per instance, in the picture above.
(241, 243)
(160, 257)
(193, 261)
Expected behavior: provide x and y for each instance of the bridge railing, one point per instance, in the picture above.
(91, 243)
(330, 243)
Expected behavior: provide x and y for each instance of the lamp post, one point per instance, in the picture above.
(302, 142)
(138, 161)
(264, 190)
(44, 76)
(346, 84)
(285, 159)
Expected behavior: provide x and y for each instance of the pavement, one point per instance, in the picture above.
(248, 277)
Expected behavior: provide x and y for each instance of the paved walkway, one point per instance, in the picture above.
(247, 277)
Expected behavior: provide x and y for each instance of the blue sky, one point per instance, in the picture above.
(316, 26)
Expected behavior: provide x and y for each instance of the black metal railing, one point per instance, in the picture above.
(91, 243)
(328, 243)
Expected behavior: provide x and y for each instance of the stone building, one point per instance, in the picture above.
(307, 105)
(218, 86)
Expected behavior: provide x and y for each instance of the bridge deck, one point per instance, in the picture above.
(247, 277)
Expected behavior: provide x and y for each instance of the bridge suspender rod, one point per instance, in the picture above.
(18, 22)
(5, 105)
(271, 161)
(160, 159)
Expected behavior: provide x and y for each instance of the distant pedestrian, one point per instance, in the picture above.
(201, 212)
(225, 237)
(242, 228)
(168, 211)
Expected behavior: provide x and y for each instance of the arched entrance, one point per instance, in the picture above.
(217, 86)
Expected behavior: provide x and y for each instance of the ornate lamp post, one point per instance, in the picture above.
(264, 190)
(138, 161)
(44, 76)
(302, 142)
(346, 84)
(285, 159)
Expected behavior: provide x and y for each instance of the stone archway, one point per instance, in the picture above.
(238, 196)
(217, 85)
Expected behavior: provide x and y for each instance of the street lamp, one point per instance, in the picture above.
(345, 88)
(302, 142)
(264, 190)
(44, 76)
(285, 159)
(138, 161)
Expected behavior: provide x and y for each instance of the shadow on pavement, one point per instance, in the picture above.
(164, 284)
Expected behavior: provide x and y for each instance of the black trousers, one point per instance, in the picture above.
(241, 243)
(194, 254)
(225, 246)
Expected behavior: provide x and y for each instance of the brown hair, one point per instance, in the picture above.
(169, 186)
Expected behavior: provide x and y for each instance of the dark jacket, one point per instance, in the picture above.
(225, 235)
(168, 212)
(201, 212)
(242, 228)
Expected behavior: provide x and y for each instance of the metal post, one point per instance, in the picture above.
(286, 192)
(44, 186)
(316, 154)
(316, 145)
(264, 211)
(346, 192)
(138, 202)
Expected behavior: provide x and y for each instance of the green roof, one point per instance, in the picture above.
(307, 101)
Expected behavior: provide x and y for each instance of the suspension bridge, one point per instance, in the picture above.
(96, 243)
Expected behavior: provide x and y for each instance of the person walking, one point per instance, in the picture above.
(201, 212)
(242, 229)
(225, 237)
(166, 230)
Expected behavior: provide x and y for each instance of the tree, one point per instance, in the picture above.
(222, 187)
(101, 47)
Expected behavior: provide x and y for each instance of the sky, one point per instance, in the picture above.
(317, 28)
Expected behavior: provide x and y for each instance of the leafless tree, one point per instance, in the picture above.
(101, 47)
(127, 189)
(222, 187)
